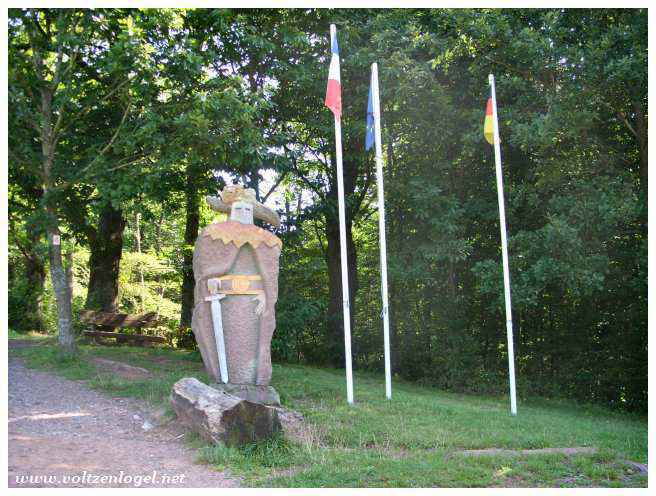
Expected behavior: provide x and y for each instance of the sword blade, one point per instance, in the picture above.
(217, 322)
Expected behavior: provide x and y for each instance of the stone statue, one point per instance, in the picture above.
(236, 273)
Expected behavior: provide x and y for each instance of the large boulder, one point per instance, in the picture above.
(220, 417)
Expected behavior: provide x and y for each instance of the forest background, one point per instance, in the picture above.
(122, 120)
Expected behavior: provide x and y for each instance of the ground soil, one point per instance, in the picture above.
(584, 450)
(122, 370)
(60, 428)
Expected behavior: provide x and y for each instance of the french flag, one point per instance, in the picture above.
(334, 90)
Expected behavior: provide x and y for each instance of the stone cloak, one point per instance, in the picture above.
(232, 248)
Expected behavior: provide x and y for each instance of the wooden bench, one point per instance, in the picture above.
(103, 324)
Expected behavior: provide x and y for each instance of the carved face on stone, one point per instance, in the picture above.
(227, 199)
(242, 212)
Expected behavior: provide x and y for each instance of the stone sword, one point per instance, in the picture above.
(217, 322)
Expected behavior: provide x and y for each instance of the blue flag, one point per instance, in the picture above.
(369, 142)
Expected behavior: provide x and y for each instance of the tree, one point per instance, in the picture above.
(53, 79)
(303, 129)
(153, 109)
(207, 122)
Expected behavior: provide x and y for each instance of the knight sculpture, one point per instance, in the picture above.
(236, 273)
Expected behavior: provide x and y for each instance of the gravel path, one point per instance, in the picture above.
(63, 434)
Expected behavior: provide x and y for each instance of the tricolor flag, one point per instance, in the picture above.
(369, 141)
(334, 90)
(491, 131)
(488, 127)
(334, 103)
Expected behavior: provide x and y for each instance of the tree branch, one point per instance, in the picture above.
(320, 239)
(302, 176)
(280, 179)
(111, 141)
(104, 149)
(56, 77)
(86, 109)
(129, 162)
(367, 182)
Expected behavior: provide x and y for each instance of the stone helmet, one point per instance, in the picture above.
(234, 193)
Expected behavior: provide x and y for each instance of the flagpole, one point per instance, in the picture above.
(381, 228)
(504, 251)
(343, 252)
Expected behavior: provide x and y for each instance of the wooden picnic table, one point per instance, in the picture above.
(103, 325)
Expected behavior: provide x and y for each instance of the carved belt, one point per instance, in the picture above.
(240, 285)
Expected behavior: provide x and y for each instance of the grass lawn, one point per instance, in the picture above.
(411, 441)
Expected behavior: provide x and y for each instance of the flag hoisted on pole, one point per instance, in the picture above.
(334, 103)
(373, 136)
(491, 132)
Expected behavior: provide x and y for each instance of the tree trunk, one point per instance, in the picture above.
(288, 219)
(333, 260)
(66, 336)
(335, 305)
(158, 248)
(104, 262)
(69, 271)
(48, 141)
(137, 235)
(191, 233)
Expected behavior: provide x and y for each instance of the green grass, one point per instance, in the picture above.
(411, 441)
(30, 336)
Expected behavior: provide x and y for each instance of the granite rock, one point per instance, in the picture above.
(219, 417)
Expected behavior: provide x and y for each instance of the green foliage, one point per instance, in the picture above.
(300, 313)
(19, 290)
(253, 458)
(80, 274)
(161, 282)
(575, 196)
(183, 337)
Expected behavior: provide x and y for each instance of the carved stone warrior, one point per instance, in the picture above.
(236, 272)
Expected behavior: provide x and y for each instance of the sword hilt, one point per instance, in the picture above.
(215, 297)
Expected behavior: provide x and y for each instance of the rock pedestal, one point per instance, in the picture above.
(266, 395)
(220, 417)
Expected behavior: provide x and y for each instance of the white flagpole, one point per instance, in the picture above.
(381, 228)
(343, 255)
(504, 251)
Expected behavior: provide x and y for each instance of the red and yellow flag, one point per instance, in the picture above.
(488, 127)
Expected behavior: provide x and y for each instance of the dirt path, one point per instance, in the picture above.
(63, 434)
